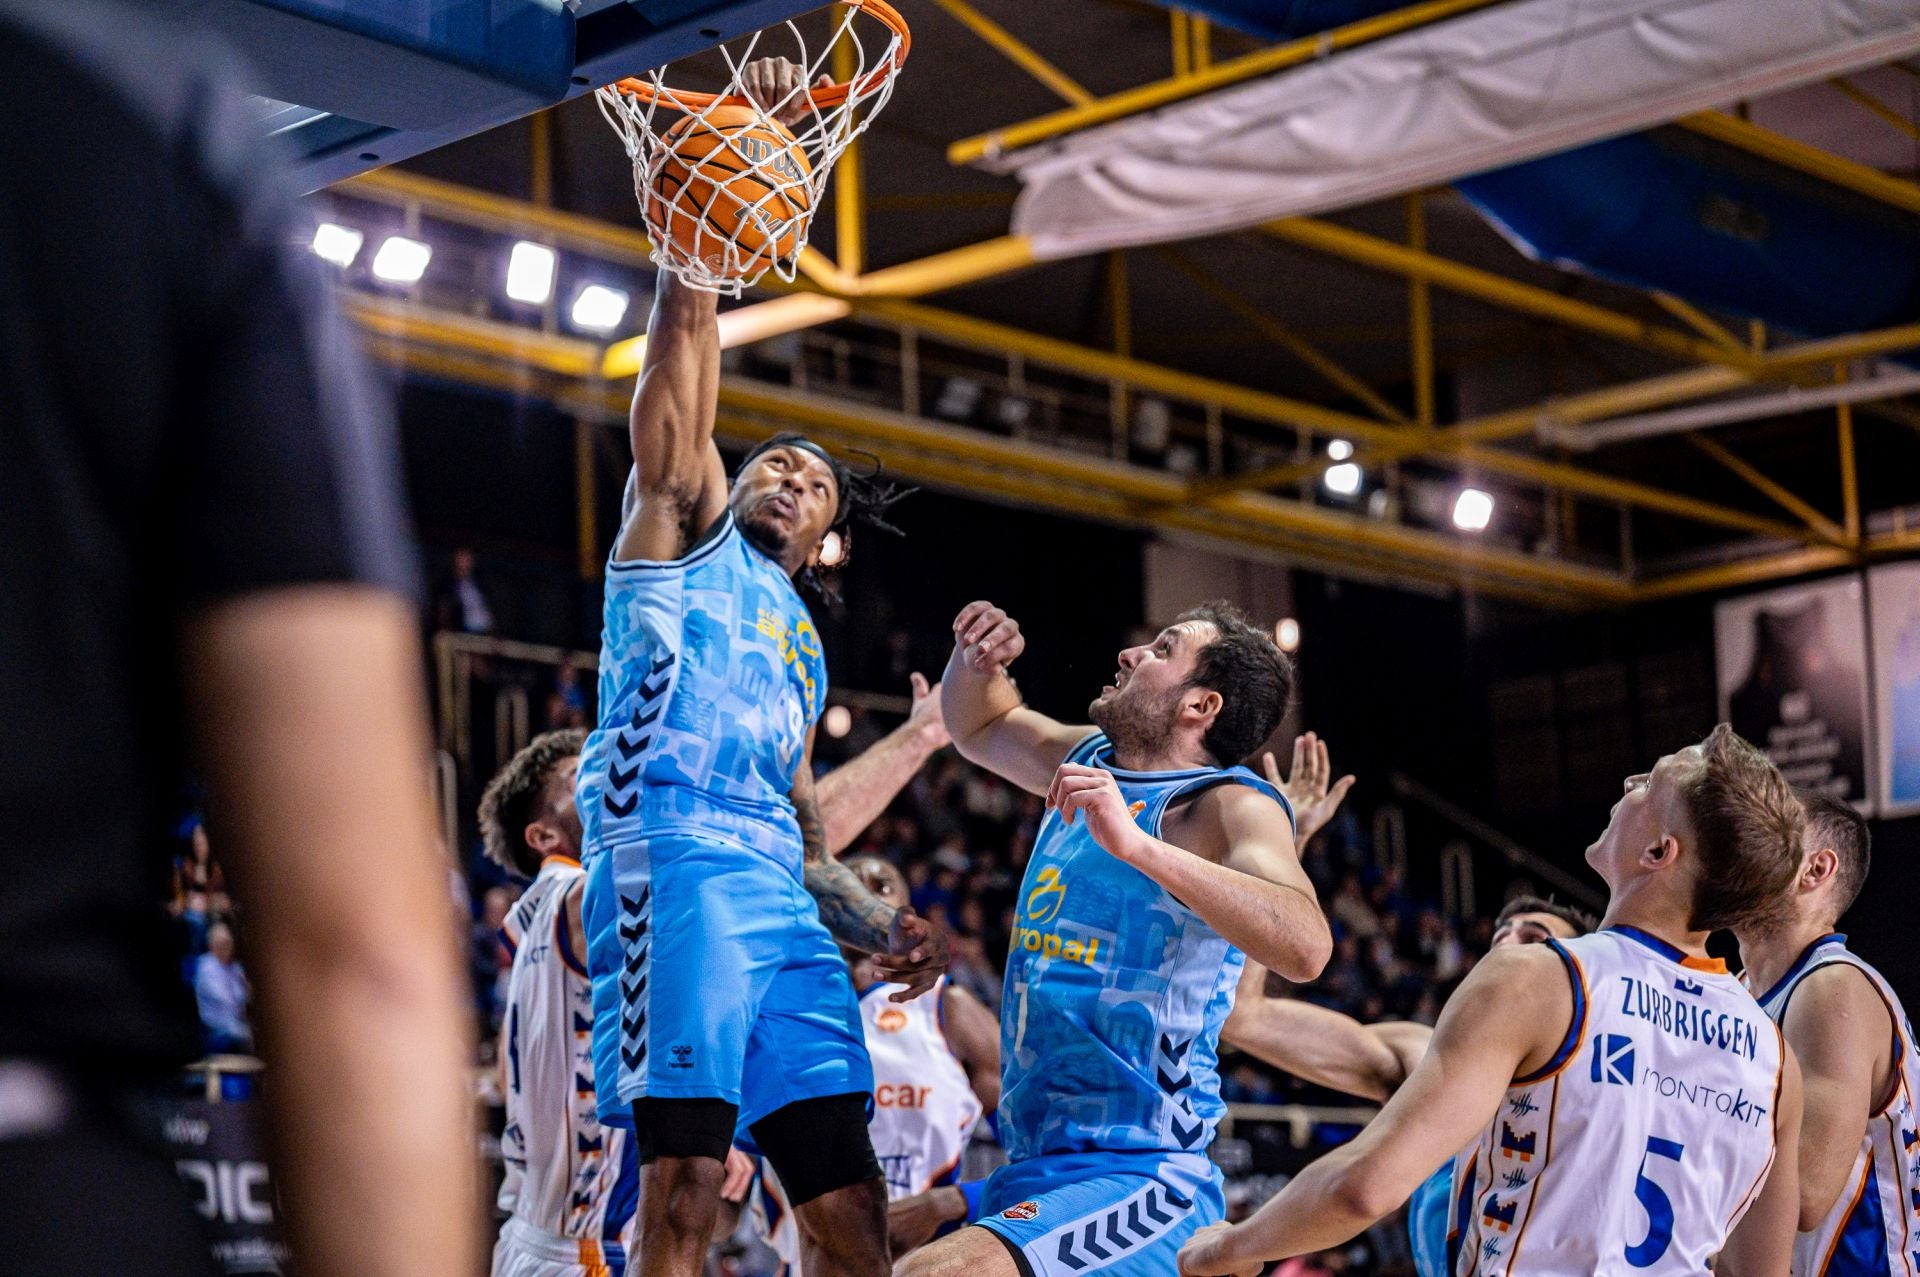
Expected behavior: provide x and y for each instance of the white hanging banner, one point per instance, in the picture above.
(1510, 83)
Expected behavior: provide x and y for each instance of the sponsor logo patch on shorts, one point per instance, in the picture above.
(1022, 1212)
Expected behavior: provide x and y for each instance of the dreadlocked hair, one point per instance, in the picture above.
(865, 500)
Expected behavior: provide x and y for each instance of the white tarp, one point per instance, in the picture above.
(1498, 86)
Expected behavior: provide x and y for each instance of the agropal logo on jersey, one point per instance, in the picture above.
(1039, 910)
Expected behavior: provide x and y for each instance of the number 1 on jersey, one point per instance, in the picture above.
(1658, 1205)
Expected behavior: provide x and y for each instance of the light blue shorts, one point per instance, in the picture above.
(1073, 1214)
(714, 978)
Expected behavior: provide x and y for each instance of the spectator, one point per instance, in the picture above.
(567, 703)
(462, 606)
(200, 890)
(220, 986)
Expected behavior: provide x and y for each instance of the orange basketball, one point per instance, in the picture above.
(730, 176)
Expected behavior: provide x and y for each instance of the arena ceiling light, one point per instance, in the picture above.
(1340, 449)
(837, 721)
(1472, 510)
(530, 272)
(1286, 635)
(401, 260)
(1344, 479)
(338, 244)
(599, 308)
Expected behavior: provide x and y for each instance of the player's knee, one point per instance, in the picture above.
(684, 1129)
(818, 1145)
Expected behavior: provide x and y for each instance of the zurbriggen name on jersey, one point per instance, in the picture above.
(1688, 1020)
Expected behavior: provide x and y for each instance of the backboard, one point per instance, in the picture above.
(356, 84)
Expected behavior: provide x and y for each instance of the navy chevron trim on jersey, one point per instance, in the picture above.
(636, 966)
(1105, 1237)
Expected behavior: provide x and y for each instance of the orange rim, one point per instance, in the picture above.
(831, 95)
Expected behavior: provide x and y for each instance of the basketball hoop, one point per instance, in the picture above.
(728, 192)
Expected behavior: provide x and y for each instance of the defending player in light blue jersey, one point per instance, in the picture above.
(1613, 1104)
(1159, 866)
(722, 1007)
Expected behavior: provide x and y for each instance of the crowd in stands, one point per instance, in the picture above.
(203, 915)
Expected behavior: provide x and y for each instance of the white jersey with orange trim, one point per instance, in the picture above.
(1644, 1139)
(569, 1180)
(924, 1109)
(1874, 1226)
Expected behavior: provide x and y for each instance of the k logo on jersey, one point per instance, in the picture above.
(1022, 1212)
(1613, 1059)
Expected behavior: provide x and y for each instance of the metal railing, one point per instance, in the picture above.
(1478, 833)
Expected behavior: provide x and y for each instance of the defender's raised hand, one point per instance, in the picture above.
(989, 639)
(1308, 789)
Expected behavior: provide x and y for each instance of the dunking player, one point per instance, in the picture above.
(572, 1185)
(1859, 1185)
(1620, 1098)
(936, 1070)
(1159, 863)
(712, 905)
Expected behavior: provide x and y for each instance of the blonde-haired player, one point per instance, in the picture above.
(936, 1072)
(1859, 1183)
(1619, 1103)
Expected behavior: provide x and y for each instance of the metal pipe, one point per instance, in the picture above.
(1794, 399)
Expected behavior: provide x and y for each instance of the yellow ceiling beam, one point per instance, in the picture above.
(1018, 52)
(1887, 114)
(1284, 337)
(1510, 294)
(1202, 81)
(1810, 160)
(1698, 320)
(1774, 491)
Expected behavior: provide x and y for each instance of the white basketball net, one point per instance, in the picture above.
(727, 266)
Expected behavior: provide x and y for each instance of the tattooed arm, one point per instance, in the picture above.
(906, 948)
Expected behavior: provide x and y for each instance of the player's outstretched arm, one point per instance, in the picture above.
(1509, 1016)
(1321, 1046)
(1230, 859)
(1761, 1245)
(853, 795)
(973, 1033)
(906, 948)
(679, 485)
(990, 724)
(312, 726)
(1842, 1035)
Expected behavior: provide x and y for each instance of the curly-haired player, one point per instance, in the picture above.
(721, 1003)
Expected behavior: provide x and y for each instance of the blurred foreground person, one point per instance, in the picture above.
(203, 561)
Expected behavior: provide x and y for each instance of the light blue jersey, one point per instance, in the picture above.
(711, 676)
(1115, 991)
(713, 976)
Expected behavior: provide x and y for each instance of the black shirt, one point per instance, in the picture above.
(183, 418)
